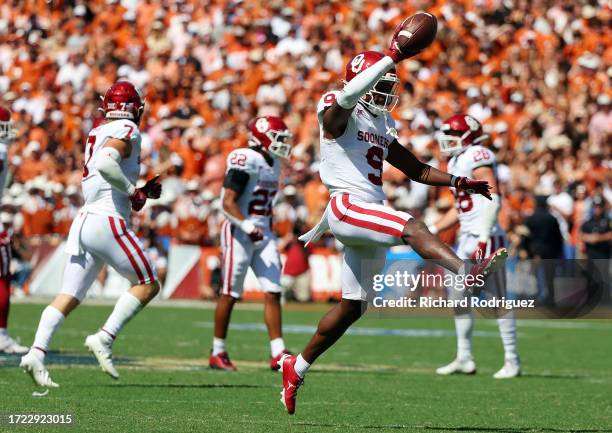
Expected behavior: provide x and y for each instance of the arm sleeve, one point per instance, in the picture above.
(363, 82)
(107, 163)
(236, 179)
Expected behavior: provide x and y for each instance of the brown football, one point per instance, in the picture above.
(417, 32)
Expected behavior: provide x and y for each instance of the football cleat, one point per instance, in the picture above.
(10, 346)
(37, 370)
(274, 361)
(291, 382)
(509, 370)
(221, 361)
(487, 266)
(103, 353)
(458, 366)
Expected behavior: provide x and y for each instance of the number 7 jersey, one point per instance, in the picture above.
(100, 197)
(256, 200)
(353, 162)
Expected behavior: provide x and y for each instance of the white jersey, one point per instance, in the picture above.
(256, 200)
(353, 162)
(5, 167)
(470, 206)
(100, 197)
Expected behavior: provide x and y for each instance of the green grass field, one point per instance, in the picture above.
(365, 383)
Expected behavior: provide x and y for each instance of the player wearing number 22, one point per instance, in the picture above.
(250, 185)
(463, 140)
(100, 233)
(357, 135)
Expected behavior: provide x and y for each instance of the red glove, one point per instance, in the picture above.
(256, 235)
(472, 186)
(394, 50)
(480, 251)
(151, 189)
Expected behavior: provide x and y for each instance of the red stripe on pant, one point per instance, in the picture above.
(231, 258)
(138, 250)
(381, 214)
(126, 250)
(361, 223)
(5, 300)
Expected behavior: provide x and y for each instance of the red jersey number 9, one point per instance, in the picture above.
(375, 158)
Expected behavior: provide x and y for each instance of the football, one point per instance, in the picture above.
(417, 32)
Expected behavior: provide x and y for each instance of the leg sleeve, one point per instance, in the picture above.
(79, 273)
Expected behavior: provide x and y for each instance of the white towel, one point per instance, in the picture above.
(317, 231)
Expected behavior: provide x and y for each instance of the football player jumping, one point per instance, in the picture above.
(7, 344)
(357, 135)
(100, 233)
(479, 234)
(250, 185)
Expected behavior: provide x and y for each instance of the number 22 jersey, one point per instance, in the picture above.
(256, 200)
(353, 162)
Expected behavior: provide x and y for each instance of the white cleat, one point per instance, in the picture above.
(37, 370)
(509, 370)
(103, 354)
(458, 366)
(10, 346)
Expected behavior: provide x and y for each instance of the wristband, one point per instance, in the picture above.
(453, 181)
(433, 229)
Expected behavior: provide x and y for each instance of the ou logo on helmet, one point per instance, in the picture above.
(262, 125)
(357, 63)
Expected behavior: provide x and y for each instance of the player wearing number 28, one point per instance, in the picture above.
(250, 185)
(100, 233)
(357, 135)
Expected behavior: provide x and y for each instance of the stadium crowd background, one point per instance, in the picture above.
(535, 73)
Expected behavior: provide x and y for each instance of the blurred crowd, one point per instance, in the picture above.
(536, 73)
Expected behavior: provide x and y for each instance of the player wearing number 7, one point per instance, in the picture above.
(357, 134)
(250, 185)
(100, 233)
(462, 139)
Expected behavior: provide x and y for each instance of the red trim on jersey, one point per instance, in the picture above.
(126, 250)
(361, 223)
(347, 204)
(138, 250)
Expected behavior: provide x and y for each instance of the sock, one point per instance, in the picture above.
(127, 306)
(507, 331)
(301, 366)
(3, 332)
(50, 321)
(277, 346)
(464, 323)
(5, 302)
(218, 346)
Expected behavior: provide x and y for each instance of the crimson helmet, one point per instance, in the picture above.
(458, 132)
(122, 101)
(6, 125)
(383, 96)
(272, 133)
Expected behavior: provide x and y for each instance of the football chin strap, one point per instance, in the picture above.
(107, 164)
(488, 217)
(363, 82)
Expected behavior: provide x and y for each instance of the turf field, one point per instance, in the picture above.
(368, 382)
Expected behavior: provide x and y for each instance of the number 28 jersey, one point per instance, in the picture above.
(353, 162)
(100, 197)
(256, 200)
(470, 205)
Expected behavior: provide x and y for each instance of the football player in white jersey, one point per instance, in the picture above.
(461, 138)
(100, 233)
(7, 344)
(247, 240)
(357, 135)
